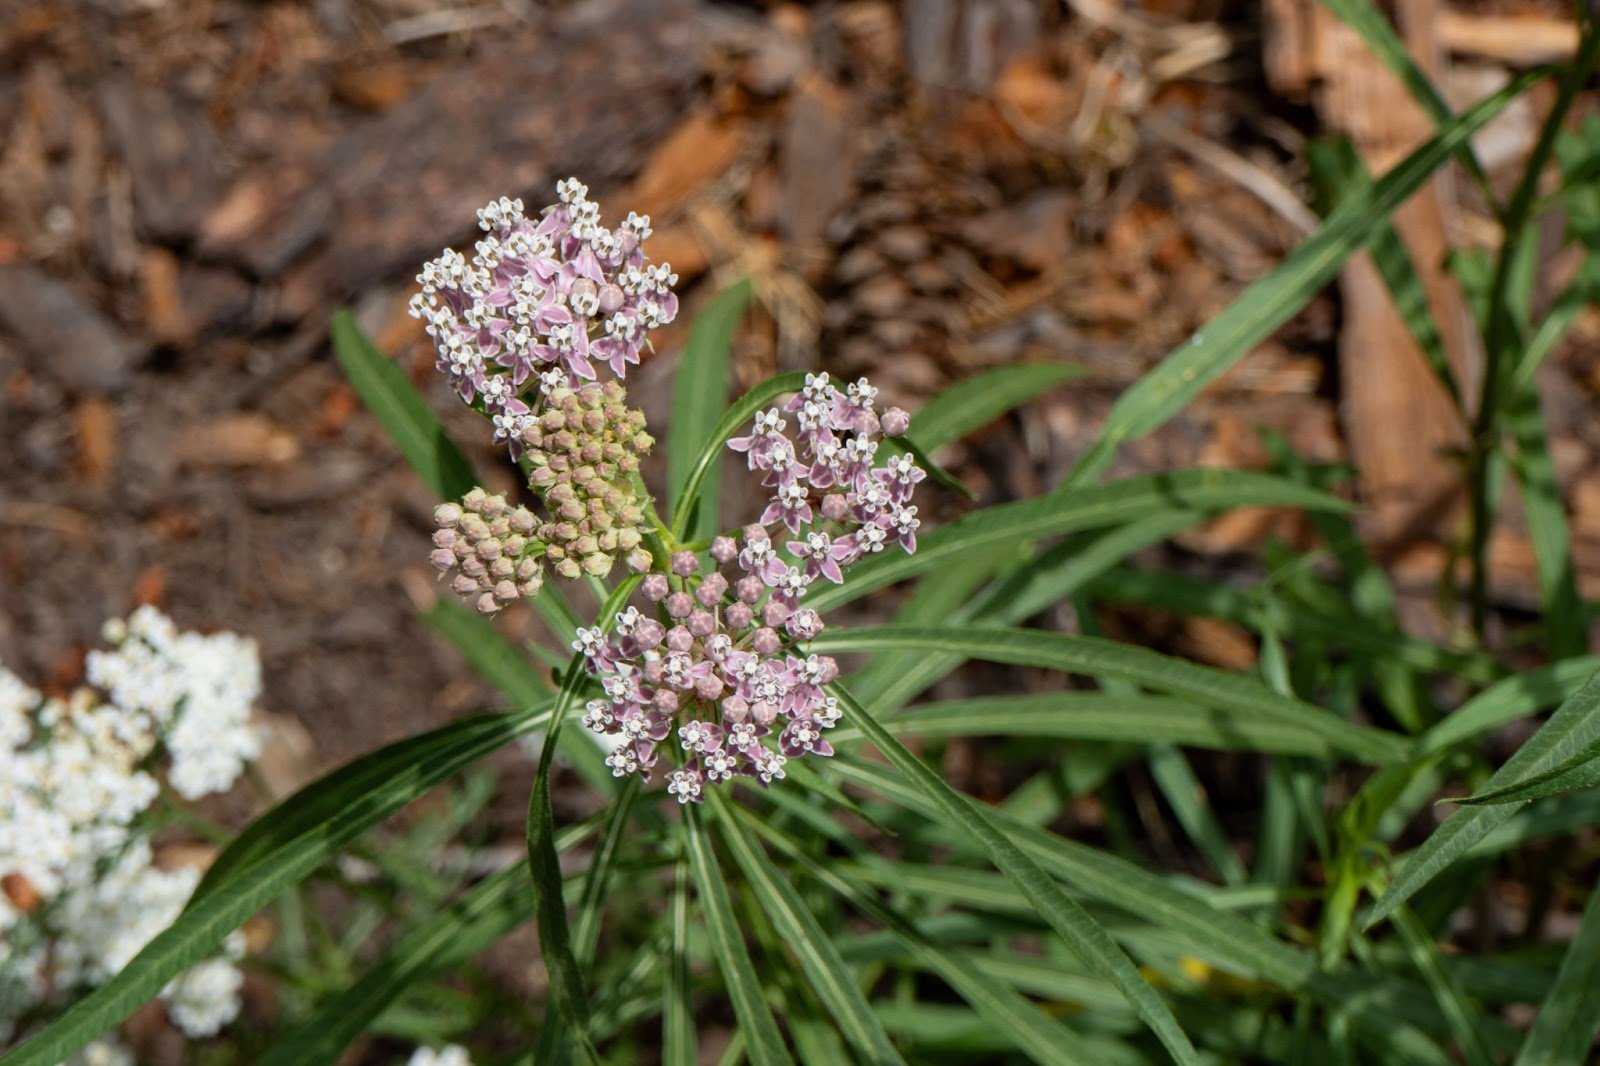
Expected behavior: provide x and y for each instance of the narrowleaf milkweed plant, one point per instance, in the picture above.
(865, 910)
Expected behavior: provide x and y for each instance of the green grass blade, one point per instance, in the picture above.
(1574, 726)
(1186, 796)
(1006, 525)
(743, 409)
(1270, 302)
(830, 979)
(404, 414)
(1564, 1030)
(699, 393)
(282, 848)
(1081, 932)
(1461, 1014)
(1509, 699)
(976, 401)
(762, 1038)
(1108, 659)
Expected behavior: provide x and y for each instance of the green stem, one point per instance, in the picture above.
(1503, 336)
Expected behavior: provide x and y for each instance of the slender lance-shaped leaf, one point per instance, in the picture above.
(419, 435)
(678, 1043)
(1007, 1012)
(1547, 525)
(1107, 717)
(484, 914)
(1580, 771)
(699, 393)
(1574, 726)
(741, 412)
(550, 907)
(1109, 659)
(1270, 302)
(345, 803)
(1008, 524)
(827, 973)
(1081, 932)
(1564, 1029)
(762, 1038)
(496, 661)
(976, 401)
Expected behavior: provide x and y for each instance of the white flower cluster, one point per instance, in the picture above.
(450, 1055)
(80, 895)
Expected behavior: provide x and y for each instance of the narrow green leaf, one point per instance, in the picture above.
(282, 848)
(1101, 716)
(1565, 633)
(1574, 726)
(404, 414)
(1005, 525)
(830, 979)
(1509, 699)
(699, 393)
(1045, 1040)
(1462, 1015)
(1108, 659)
(1580, 771)
(678, 1044)
(974, 402)
(741, 412)
(1563, 1031)
(756, 1023)
(1081, 932)
(1270, 302)
(496, 661)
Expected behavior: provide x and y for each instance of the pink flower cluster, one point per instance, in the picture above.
(542, 299)
(724, 672)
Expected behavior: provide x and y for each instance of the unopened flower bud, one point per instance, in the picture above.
(679, 639)
(464, 585)
(739, 616)
(569, 569)
(505, 592)
(654, 587)
(835, 507)
(445, 538)
(487, 604)
(640, 561)
(711, 590)
(649, 634)
(708, 688)
(446, 515)
(895, 422)
(701, 623)
(493, 506)
(766, 641)
(749, 589)
(679, 604)
(597, 564)
(474, 499)
(684, 564)
(523, 521)
(442, 558)
(774, 614)
(723, 549)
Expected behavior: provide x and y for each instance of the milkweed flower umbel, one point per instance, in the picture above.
(720, 684)
(557, 291)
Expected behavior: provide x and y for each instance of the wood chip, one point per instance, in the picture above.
(239, 440)
(94, 430)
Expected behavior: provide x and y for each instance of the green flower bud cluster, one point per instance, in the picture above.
(582, 451)
(491, 546)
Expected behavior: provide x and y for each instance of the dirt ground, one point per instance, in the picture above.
(921, 191)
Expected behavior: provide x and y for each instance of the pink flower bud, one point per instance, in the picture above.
(701, 623)
(736, 709)
(711, 590)
(685, 564)
(446, 515)
(487, 604)
(774, 613)
(442, 558)
(739, 616)
(464, 585)
(749, 589)
(895, 422)
(679, 604)
(505, 592)
(766, 641)
(649, 634)
(639, 560)
(709, 687)
(679, 639)
(654, 587)
(723, 549)
(835, 507)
